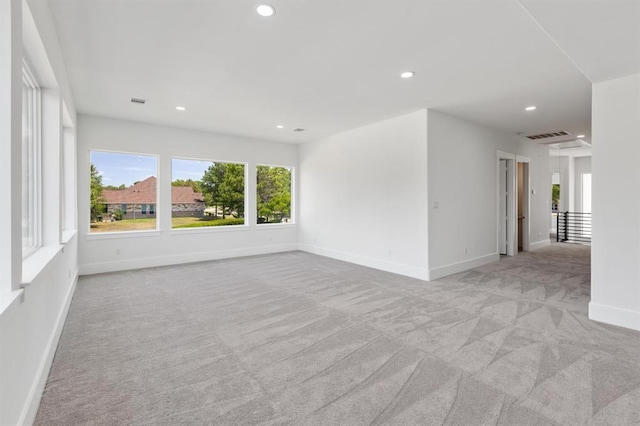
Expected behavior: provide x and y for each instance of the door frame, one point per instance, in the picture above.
(512, 222)
(526, 202)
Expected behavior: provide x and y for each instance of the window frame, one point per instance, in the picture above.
(223, 228)
(129, 233)
(34, 171)
(292, 222)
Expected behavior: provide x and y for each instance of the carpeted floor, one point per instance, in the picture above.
(300, 339)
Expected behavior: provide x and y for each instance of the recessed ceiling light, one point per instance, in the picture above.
(530, 108)
(265, 10)
(580, 136)
(407, 74)
(280, 126)
(181, 108)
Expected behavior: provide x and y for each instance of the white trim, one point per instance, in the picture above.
(157, 176)
(615, 316)
(260, 226)
(209, 229)
(245, 164)
(292, 192)
(539, 244)
(32, 403)
(512, 210)
(384, 265)
(123, 234)
(150, 262)
(454, 268)
(34, 124)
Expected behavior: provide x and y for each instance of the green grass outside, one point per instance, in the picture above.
(199, 222)
(125, 225)
(150, 224)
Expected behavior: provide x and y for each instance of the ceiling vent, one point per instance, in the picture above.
(138, 101)
(298, 129)
(548, 135)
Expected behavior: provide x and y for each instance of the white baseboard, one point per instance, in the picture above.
(32, 404)
(614, 316)
(454, 268)
(150, 262)
(384, 265)
(539, 244)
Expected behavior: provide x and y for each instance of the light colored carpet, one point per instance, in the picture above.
(299, 339)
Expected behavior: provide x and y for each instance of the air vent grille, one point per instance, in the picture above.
(548, 135)
(298, 129)
(138, 101)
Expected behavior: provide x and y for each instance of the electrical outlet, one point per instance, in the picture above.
(117, 252)
(466, 251)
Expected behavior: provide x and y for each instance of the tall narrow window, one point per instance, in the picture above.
(207, 193)
(31, 167)
(123, 186)
(273, 194)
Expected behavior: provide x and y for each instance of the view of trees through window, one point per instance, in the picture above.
(273, 194)
(207, 193)
(203, 193)
(123, 192)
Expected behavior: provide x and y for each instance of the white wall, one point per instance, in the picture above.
(30, 330)
(615, 255)
(364, 196)
(100, 254)
(582, 165)
(31, 320)
(567, 183)
(463, 183)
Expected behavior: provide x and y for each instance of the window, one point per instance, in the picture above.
(123, 187)
(31, 167)
(273, 194)
(207, 193)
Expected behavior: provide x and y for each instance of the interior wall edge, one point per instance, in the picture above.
(370, 262)
(614, 316)
(462, 266)
(539, 244)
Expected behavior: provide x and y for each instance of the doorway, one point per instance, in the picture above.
(512, 203)
(523, 205)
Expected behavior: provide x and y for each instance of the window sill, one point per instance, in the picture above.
(275, 225)
(33, 265)
(126, 234)
(8, 299)
(209, 229)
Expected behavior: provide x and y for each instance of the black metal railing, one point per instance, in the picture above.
(574, 227)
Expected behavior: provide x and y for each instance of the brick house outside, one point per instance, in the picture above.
(139, 201)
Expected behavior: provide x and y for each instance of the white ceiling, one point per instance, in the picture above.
(602, 37)
(332, 65)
